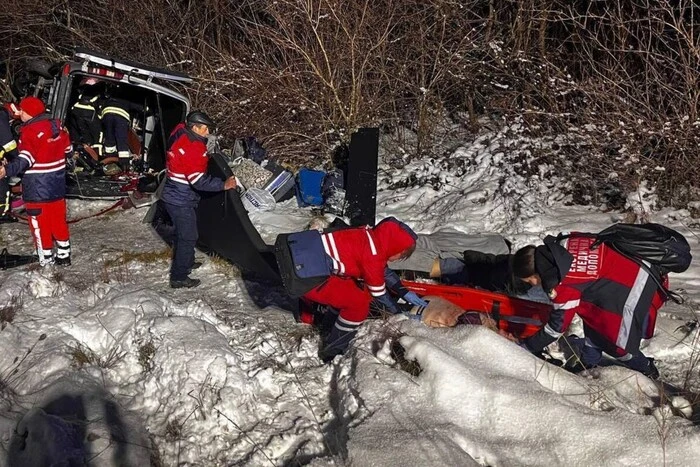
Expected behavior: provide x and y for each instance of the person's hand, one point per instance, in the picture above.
(414, 299)
(386, 303)
(230, 183)
(3, 172)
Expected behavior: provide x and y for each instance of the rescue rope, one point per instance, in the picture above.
(117, 204)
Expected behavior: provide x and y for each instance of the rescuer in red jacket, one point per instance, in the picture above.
(187, 161)
(43, 147)
(341, 259)
(617, 299)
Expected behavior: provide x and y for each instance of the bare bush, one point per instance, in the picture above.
(301, 75)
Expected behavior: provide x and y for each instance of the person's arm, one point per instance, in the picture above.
(565, 304)
(197, 164)
(20, 164)
(373, 275)
(205, 182)
(393, 284)
(7, 139)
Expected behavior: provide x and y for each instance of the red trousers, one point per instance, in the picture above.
(345, 295)
(47, 223)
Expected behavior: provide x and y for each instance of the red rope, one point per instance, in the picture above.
(73, 221)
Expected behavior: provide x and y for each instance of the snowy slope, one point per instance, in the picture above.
(221, 375)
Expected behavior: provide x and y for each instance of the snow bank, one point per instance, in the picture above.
(481, 397)
(221, 375)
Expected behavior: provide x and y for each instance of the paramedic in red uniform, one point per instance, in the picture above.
(43, 147)
(358, 253)
(617, 299)
(187, 161)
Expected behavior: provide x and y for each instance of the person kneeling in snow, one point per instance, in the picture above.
(616, 299)
(325, 267)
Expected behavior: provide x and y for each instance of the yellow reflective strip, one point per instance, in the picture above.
(115, 110)
(83, 106)
(9, 146)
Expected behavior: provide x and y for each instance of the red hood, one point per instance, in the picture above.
(393, 237)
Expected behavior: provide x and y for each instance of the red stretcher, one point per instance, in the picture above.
(520, 317)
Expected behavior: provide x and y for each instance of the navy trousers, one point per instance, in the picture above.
(116, 135)
(185, 222)
(4, 196)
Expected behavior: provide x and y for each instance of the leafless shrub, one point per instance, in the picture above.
(303, 75)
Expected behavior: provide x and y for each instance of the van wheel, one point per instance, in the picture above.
(22, 83)
(40, 67)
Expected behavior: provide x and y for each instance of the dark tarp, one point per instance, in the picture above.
(361, 189)
(225, 229)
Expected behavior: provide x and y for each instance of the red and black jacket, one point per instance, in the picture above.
(612, 294)
(187, 161)
(43, 147)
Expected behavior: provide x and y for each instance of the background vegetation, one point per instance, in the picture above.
(617, 81)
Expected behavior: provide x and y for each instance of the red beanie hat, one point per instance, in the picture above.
(32, 106)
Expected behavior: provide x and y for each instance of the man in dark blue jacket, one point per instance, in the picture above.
(186, 175)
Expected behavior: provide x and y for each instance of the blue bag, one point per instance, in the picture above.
(310, 187)
(302, 260)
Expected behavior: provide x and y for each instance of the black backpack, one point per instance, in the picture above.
(665, 249)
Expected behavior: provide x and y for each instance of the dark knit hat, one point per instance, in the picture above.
(546, 268)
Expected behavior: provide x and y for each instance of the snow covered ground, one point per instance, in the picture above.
(104, 358)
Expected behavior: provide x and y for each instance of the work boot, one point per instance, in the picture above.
(651, 372)
(643, 364)
(328, 319)
(7, 219)
(336, 343)
(195, 265)
(187, 283)
(62, 261)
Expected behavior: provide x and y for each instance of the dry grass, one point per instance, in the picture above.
(398, 353)
(145, 257)
(118, 269)
(173, 431)
(82, 355)
(223, 266)
(146, 353)
(9, 311)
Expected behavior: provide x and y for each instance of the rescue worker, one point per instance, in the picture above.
(186, 163)
(335, 261)
(116, 122)
(83, 122)
(43, 147)
(615, 297)
(8, 151)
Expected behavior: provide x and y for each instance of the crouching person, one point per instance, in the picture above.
(616, 298)
(186, 175)
(327, 268)
(43, 147)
